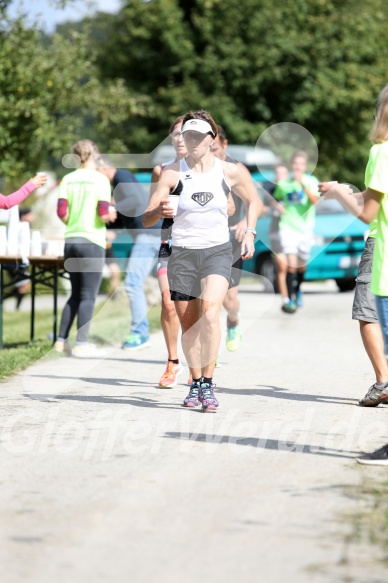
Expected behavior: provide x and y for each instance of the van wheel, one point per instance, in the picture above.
(266, 266)
(346, 284)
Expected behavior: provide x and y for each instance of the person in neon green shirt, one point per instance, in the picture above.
(375, 206)
(298, 196)
(83, 206)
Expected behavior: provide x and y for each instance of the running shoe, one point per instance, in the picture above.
(233, 338)
(376, 458)
(170, 375)
(192, 399)
(135, 342)
(289, 307)
(299, 299)
(207, 398)
(375, 396)
(63, 347)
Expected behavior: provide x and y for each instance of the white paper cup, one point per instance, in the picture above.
(36, 244)
(173, 199)
(3, 240)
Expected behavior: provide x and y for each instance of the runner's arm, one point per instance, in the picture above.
(156, 173)
(313, 198)
(159, 206)
(231, 209)
(243, 186)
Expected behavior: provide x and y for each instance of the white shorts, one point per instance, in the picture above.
(293, 243)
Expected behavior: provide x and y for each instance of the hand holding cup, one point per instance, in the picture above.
(39, 179)
(333, 189)
(167, 210)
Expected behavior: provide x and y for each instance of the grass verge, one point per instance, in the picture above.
(371, 523)
(110, 325)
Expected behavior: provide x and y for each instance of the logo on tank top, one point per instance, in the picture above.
(188, 176)
(202, 198)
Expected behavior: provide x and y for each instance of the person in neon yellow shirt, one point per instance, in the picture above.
(83, 205)
(364, 310)
(374, 206)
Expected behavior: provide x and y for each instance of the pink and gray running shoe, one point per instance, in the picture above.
(192, 399)
(207, 398)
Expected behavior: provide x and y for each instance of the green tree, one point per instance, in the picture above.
(46, 94)
(254, 63)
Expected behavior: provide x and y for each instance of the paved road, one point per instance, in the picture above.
(106, 478)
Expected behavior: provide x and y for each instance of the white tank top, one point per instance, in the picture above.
(201, 220)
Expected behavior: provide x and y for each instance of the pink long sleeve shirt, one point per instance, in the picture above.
(6, 202)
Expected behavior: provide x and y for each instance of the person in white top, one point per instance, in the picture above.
(199, 268)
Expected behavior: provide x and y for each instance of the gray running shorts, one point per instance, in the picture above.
(364, 303)
(187, 267)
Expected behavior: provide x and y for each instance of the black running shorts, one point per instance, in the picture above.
(237, 265)
(187, 267)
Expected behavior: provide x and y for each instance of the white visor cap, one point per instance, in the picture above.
(198, 125)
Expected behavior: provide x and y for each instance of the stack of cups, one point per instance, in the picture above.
(13, 231)
(3, 240)
(36, 244)
(24, 239)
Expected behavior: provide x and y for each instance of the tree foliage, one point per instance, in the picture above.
(121, 79)
(49, 97)
(319, 63)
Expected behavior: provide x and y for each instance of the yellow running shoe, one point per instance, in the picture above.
(170, 375)
(233, 338)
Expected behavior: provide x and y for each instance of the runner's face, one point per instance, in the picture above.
(281, 173)
(299, 165)
(197, 144)
(218, 148)
(177, 141)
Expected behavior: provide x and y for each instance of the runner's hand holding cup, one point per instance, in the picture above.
(169, 207)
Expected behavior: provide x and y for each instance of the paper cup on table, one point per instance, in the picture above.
(13, 231)
(24, 239)
(173, 199)
(51, 248)
(3, 240)
(36, 244)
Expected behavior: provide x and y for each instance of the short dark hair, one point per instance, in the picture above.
(24, 211)
(201, 114)
(175, 123)
(299, 154)
(221, 133)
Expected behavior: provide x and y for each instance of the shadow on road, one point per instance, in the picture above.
(281, 393)
(261, 443)
(98, 380)
(103, 399)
